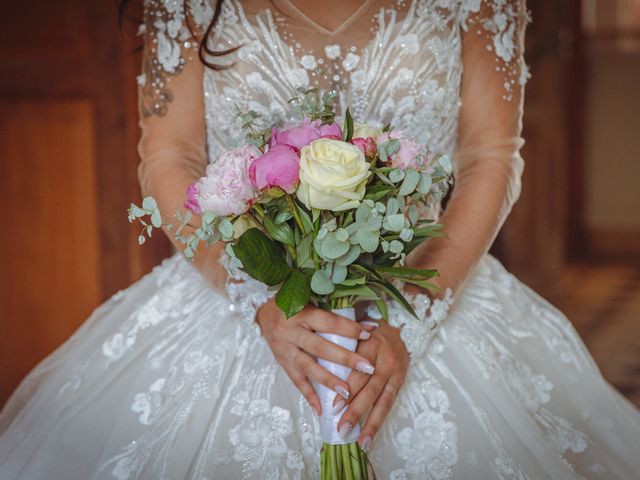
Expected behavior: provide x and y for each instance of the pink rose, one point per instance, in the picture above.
(279, 167)
(192, 199)
(302, 135)
(226, 188)
(367, 145)
(409, 151)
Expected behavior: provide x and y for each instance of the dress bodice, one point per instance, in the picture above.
(447, 73)
(391, 61)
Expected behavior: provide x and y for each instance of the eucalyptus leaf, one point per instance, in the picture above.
(395, 246)
(337, 273)
(351, 256)
(406, 235)
(411, 179)
(321, 284)
(149, 203)
(394, 223)
(141, 239)
(396, 175)
(424, 185)
(156, 218)
(331, 247)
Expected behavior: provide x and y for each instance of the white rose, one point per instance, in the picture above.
(333, 175)
(364, 130)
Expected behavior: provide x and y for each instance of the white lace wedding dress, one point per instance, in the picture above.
(170, 378)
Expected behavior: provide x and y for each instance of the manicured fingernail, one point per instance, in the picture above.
(364, 367)
(365, 442)
(369, 324)
(364, 335)
(316, 410)
(340, 403)
(343, 392)
(344, 430)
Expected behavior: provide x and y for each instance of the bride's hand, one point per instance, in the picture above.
(387, 352)
(294, 344)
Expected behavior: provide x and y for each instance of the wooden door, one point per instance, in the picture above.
(68, 130)
(533, 242)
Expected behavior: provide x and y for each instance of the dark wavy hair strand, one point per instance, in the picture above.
(204, 51)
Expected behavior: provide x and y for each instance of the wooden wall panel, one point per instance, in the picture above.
(49, 250)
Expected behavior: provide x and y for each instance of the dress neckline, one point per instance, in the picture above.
(348, 21)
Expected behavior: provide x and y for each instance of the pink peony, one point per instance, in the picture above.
(303, 134)
(192, 199)
(226, 188)
(367, 145)
(408, 154)
(279, 167)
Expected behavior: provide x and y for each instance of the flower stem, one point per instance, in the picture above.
(296, 215)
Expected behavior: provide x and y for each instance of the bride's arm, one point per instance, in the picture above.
(172, 147)
(488, 162)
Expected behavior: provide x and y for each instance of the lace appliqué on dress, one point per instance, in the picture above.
(417, 332)
(170, 43)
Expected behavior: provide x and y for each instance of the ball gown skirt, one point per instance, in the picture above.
(169, 380)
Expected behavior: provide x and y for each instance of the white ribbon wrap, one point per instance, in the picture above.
(329, 421)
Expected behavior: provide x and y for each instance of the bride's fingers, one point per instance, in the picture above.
(362, 402)
(316, 345)
(378, 413)
(327, 322)
(302, 383)
(311, 370)
(356, 381)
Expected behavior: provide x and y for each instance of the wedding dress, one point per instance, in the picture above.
(171, 379)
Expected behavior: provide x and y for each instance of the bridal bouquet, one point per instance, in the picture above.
(326, 215)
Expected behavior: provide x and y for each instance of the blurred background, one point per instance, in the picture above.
(68, 133)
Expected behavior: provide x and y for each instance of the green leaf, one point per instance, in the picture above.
(282, 216)
(321, 284)
(411, 179)
(305, 219)
(281, 232)
(357, 291)
(394, 293)
(382, 308)
(261, 257)
(352, 282)
(407, 272)
(348, 126)
(377, 192)
(304, 252)
(141, 239)
(294, 294)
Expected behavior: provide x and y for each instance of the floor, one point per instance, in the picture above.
(603, 302)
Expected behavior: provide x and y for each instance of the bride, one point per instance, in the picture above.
(186, 375)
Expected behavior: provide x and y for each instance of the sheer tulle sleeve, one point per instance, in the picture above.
(173, 146)
(488, 165)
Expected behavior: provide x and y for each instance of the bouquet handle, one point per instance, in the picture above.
(329, 421)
